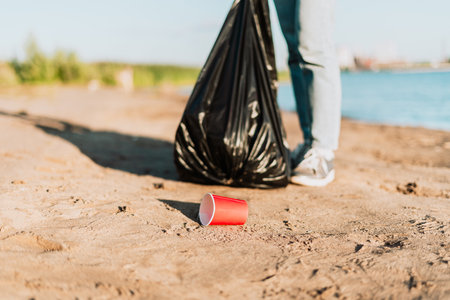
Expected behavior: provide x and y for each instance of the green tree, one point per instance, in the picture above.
(36, 67)
(67, 67)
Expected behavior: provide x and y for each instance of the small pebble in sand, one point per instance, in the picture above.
(17, 182)
(121, 209)
(158, 185)
(409, 188)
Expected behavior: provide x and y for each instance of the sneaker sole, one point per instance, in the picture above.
(308, 181)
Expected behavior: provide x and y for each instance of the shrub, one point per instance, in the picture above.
(36, 67)
(7, 75)
(142, 77)
(67, 67)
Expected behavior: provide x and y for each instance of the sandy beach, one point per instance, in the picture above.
(91, 208)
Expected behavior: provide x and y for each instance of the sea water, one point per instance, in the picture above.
(419, 99)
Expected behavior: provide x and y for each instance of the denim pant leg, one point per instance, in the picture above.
(307, 26)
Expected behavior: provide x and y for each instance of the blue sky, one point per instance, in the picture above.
(183, 31)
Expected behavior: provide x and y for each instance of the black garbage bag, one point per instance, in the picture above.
(231, 131)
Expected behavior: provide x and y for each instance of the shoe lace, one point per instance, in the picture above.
(311, 160)
(315, 161)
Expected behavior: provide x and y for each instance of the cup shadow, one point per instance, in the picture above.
(189, 209)
(134, 154)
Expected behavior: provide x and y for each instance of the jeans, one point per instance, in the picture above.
(307, 26)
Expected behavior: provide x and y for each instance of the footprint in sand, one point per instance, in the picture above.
(27, 241)
(430, 224)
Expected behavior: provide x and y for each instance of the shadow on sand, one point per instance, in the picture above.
(134, 154)
(189, 209)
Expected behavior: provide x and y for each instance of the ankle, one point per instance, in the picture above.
(326, 153)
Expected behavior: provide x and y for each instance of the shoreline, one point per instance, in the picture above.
(174, 91)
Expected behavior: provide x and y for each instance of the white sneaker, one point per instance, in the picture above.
(316, 168)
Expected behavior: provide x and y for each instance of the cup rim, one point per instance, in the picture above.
(205, 209)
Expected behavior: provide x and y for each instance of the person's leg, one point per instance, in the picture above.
(288, 16)
(307, 26)
(319, 59)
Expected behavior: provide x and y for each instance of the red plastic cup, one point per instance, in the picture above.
(219, 210)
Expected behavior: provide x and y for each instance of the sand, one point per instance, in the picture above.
(90, 207)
